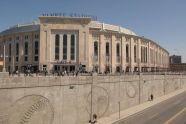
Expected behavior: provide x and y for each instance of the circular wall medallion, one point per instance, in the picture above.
(32, 109)
(131, 90)
(100, 101)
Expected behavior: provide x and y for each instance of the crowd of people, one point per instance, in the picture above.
(65, 73)
(45, 73)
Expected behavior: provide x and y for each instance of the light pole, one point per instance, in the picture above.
(139, 67)
(139, 88)
(119, 101)
(91, 99)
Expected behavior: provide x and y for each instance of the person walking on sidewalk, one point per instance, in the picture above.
(151, 97)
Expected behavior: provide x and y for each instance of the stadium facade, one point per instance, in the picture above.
(58, 43)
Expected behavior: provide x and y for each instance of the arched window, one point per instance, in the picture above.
(127, 53)
(10, 49)
(26, 48)
(118, 69)
(17, 48)
(57, 47)
(118, 50)
(144, 48)
(26, 51)
(65, 47)
(135, 53)
(72, 51)
(107, 49)
(36, 47)
(95, 48)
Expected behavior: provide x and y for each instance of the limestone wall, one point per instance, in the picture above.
(68, 100)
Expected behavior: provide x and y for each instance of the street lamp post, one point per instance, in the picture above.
(91, 99)
(138, 63)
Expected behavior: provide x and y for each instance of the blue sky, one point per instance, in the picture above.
(163, 21)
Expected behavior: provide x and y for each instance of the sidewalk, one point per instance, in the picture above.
(133, 110)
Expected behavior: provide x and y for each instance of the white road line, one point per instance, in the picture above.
(175, 116)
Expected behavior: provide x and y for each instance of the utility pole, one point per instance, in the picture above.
(91, 107)
(139, 88)
(119, 102)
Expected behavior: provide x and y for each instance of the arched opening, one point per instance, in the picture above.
(95, 48)
(107, 49)
(57, 47)
(64, 47)
(96, 51)
(135, 53)
(118, 69)
(127, 53)
(72, 53)
(118, 52)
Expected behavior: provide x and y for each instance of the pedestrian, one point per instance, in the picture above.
(17, 72)
(45, 72)
(29, 72)
(76, 73)
(151, 97)
(94, 118)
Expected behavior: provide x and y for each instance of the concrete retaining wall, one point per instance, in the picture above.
(71, 100)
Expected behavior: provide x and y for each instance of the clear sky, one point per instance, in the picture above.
(163, 21)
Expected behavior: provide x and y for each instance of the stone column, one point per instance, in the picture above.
(48, 51)
(148, 56)
(75, 57)
(68, 46)
(102, 55)
(131, 54)
(123, 53)
(91, 50)
(21, 44)
(155, 55)
(60, 47)
(158, 58)
(4, 58)
(53, 47)
(113, 54)
(31, 51)
(139, 55)
(13, 62)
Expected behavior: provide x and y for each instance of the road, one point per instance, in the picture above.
(171, 111)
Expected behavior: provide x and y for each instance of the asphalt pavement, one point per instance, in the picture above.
(171, 111)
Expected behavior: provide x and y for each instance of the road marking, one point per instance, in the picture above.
(153, 116)
(177, 102)
(175, 116)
